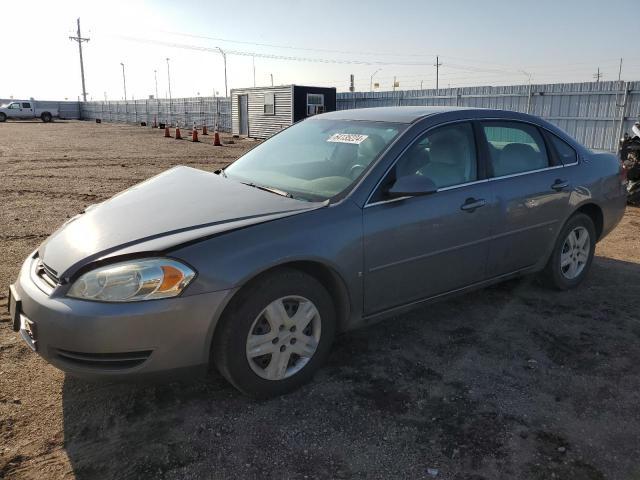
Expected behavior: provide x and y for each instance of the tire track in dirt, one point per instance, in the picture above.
(56, 195)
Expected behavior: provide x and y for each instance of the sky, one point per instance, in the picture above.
(487, 42)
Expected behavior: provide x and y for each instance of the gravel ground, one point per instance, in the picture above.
(514, 381)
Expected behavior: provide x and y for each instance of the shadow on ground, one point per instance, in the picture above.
(514, 381)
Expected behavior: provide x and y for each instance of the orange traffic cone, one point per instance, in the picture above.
(216, 138)
(204, 130)
(178, 136)
(167, 133)
(194, 134)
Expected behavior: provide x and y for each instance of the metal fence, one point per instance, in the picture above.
(596, 113)
(66, 110)
(182, 112)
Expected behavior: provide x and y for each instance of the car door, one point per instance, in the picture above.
(423, 246)
(532, 195)
(15, 110)
(27, 110)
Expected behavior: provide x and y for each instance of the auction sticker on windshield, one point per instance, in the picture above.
(354, 138)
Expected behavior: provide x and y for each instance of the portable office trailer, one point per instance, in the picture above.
(260, 112)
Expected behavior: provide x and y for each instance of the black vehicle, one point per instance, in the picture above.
(630, 156)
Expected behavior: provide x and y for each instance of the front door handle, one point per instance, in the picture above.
(560, 185)
(472, 203)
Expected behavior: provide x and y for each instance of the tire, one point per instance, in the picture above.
(253, 314)
(46, 117)
(570, 262)
(3, 117)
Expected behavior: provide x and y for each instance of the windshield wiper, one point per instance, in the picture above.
(269, 189)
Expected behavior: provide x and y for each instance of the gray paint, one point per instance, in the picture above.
(387, 255)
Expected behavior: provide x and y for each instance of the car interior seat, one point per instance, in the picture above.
(451, 161)
(516, 158)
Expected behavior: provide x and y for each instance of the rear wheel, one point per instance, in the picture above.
(3, 117)
(573, 253)
(46, 117)
(276, 334)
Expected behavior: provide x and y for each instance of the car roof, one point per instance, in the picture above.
(394, 114)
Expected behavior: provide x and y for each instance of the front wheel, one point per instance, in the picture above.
(573, 253)
(3, 117)
(275, 334)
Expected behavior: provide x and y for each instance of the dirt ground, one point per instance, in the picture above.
(513, 381)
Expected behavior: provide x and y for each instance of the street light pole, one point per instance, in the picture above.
(124, 82)
(169, 80)
(529, 90)
(224, 57)
(372, 75)
(155, 77)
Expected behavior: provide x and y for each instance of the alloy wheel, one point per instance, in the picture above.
(283, 337)
(575, 253)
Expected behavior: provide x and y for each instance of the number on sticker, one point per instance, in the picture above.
(355, 138)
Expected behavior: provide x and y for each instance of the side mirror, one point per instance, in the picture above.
(412, 186)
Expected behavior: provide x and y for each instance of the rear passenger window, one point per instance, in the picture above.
(566, 153)
(26, 105)
(515, 147)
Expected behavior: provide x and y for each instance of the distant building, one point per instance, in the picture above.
(260, 112)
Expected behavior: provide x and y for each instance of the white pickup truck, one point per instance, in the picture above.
(24, 109)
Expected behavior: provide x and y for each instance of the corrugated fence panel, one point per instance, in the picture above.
(183, 112)
(594, 113)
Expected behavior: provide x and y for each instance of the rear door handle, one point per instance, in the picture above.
(560, 185)
(472, 203)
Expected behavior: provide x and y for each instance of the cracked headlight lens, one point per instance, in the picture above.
(133, 281)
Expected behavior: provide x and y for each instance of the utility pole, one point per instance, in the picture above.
(124, 82)
(437, 65)
(253, 59)
(421, 82)
(79, 39)
(155, 76)
(394, 83)
(224, 57)
(620, 70)
(271, 79)
(352, 87)
(597, 76)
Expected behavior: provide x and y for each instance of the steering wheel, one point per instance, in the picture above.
(355, 171)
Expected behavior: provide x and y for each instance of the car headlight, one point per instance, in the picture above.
(133, 280)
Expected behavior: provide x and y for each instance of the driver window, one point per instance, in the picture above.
(446, 155)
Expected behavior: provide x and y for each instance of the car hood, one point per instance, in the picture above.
(180, 205)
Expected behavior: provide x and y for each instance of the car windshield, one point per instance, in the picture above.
(316, 159)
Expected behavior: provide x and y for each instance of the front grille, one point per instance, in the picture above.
(45, 276)
(105, 361)
(50, 273)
